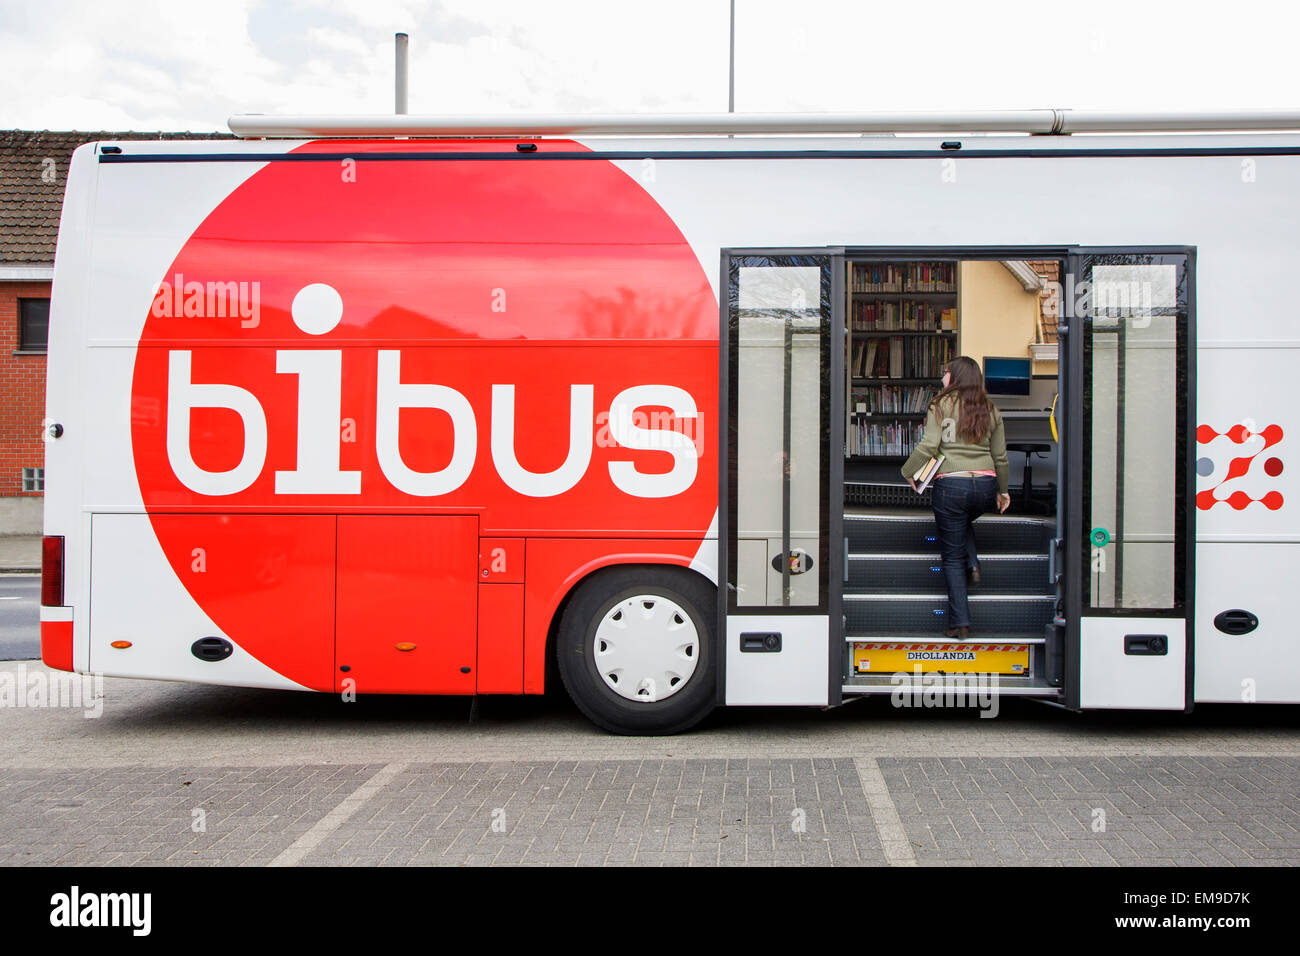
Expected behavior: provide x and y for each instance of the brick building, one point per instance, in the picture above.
(33, 171)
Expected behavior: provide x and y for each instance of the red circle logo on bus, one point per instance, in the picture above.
(529, 341)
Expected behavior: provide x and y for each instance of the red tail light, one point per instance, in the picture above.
(52, 570)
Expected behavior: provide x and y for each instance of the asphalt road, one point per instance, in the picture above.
(20, 628)
(181, 774)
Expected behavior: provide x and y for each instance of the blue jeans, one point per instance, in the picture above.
(957, 502)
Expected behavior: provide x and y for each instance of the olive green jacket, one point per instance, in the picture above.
(960, 454)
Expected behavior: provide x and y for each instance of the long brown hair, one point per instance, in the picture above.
(966, 388)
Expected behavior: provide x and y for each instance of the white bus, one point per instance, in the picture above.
(357, 407)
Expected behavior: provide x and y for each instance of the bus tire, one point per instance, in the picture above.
(636, 649)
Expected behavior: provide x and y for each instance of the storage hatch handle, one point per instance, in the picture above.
(1236, 621)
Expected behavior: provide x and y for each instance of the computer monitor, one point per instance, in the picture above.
(1006, 376)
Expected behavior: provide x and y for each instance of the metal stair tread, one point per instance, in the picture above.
(925, 556)
(943, 596)
(887, 683)
(929, 517)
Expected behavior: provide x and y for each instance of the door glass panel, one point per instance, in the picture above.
(780, 318)
(1134, 357)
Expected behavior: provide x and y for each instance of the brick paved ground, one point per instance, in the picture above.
(1157, 810)
(146, 815)
(1036, 811)
(674, 812)
(290, 779)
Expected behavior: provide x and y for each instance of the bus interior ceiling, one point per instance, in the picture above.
(904, 320)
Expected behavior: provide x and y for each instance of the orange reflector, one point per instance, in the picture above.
(120, 644)
(405, 646)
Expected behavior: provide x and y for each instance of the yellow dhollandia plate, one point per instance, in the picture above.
(951, 658)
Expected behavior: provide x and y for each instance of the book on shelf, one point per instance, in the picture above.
(869, 438)
(895, 356)
(903, 277)
(907, 315)
(892, 399)
(931, 277)
(876, 277)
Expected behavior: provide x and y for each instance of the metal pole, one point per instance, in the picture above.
(686, 124)
(402, 41)
(731, 64)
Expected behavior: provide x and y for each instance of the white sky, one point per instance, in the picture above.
(154, 64)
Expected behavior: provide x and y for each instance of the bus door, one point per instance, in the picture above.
(780, 595)
(1126, 544)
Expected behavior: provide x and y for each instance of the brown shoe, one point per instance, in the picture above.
(961, 633)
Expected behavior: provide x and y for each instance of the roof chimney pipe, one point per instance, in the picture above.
(402, 40)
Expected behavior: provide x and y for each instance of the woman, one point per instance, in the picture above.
(966, 428)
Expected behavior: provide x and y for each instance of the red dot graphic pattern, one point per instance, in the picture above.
(1238, 466)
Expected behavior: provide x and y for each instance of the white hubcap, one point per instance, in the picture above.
(646, 648)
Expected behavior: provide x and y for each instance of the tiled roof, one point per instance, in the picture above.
(1049, 300)
(33, 173)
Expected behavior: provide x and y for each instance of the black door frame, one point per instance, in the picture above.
(959, 254)
(1075, 562)
(830, 517)
(1069, 576)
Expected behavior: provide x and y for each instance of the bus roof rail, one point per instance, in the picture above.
(1040, 121)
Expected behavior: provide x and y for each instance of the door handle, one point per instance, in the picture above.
(1146, 645)
(1236, 621)
(1052, 551)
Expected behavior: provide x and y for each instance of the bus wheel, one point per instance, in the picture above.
(636, 651)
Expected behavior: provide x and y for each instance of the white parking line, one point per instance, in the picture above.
(893, 837)
(337, 817)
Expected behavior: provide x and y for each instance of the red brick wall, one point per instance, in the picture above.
(22, 392)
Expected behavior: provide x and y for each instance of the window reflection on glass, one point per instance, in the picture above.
(1133, 340)
(778, 403)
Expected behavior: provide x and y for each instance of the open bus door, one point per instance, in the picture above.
(1126, 543)
(780, 487)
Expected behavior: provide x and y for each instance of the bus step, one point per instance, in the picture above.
(935, 686)
(898, 494)
(928, 613)
(892, 573)
(916, 534)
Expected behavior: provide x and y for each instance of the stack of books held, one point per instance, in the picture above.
(926, 473)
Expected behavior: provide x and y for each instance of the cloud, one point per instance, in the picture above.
(150, 64)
